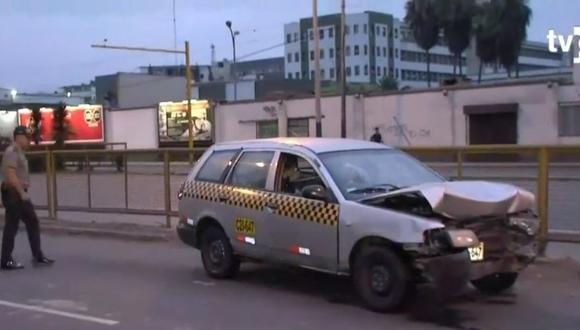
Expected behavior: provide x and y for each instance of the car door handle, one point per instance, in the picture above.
(272, 206)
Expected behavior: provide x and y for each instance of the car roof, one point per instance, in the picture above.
(316, 145)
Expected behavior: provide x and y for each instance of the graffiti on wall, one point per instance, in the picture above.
(404, 131)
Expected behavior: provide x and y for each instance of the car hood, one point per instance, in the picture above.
(470, 199)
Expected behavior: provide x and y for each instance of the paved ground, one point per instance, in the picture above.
(145, 187)
(101, 284)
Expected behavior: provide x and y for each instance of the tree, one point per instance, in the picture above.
(388, 84)
(423, 20)
(456, 18)
(515, 18)
(486, 29)
(36, 124)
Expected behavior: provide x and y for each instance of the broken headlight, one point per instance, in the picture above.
(450, 239)
(527, 225)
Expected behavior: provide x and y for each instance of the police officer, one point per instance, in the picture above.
(17, 203)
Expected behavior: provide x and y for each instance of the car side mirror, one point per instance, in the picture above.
(316, 192)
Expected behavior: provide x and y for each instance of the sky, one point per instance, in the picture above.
(45, 44)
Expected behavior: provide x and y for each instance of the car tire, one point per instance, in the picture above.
(381, 279)
(495, 283)
(217, 254)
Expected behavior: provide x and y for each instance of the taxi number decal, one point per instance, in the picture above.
(245, 226)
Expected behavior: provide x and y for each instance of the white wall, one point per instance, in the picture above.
(137, 127)
(429, 118)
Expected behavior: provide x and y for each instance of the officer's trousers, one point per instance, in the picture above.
(16, 210)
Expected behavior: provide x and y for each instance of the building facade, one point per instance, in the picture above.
(377, 45)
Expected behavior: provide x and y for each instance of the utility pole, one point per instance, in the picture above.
(188, 79)
(342, 70)
(316, 32)
(233, 71)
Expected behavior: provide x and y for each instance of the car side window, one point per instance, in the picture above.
(294, 173)
(213, 170)
(251, 170)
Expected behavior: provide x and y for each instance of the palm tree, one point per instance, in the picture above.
(486, 29)
(456, 19)
(515, 18)
(423, 21)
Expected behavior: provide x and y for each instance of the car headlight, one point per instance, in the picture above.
(462, 238)
(529, 226)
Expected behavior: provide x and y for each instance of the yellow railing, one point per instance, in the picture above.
(57, 167)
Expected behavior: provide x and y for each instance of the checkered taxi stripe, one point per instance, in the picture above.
(288, 206)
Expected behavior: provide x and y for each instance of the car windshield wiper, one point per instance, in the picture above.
(384, 187)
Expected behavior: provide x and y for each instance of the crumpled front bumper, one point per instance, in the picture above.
(449, 273)
(514, 258)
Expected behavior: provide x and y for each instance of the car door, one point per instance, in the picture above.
(302, 231)
(246, 196)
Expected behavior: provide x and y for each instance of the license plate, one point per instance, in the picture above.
(476, 252)
(245, 226)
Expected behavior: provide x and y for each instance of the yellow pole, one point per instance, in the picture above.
(49, 196)
(189, 83)
(167, 188)
(543, 181)
(460, 164)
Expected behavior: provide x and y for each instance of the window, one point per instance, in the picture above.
(295, 36)
(385, 52)
(378, 30)
(347, 50)
(348, 73)
(304, 57)
(330, 32)
(304, 74)
(396, 52)
(331, 52)
(372, 29)
(297, 75)
(310, 35)
(569, 120)
(366, 50)
(215, 166)
(298, 127)
(322, 53)
(312, 55)
(372, 70)
(322, 74)
(331, 73)
(384, 31)
(294, 173)
(290, 75)
(378, 51)
(378, 71)
(346, 29)
(321, 32)
(391, 73)
(396, 33)
(251, 170)
(397, 73)
(296, 57)
(366, 70)
(365, 28)
(312, 74)
(266, 129)
(289, 57)
(357, 70)
(355, 29)
(288, 38)
(356, 50)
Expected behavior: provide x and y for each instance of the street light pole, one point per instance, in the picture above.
(188, 79)
(234, 34)
(317, 104)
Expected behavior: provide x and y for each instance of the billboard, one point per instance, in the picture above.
(173, 123)
(85, 121)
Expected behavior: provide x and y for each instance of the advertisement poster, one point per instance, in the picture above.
(173, 124)
(86, 123)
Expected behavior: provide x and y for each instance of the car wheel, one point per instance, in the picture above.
(495, 283)
(381, 279)
(217, 254)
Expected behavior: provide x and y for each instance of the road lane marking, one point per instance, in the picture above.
(203, 283)
(59, 313)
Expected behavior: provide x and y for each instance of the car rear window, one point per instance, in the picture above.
(251, 171)
(214, 167)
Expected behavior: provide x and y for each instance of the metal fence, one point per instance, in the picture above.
(145, 182)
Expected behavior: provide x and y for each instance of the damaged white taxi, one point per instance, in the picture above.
(355, 208)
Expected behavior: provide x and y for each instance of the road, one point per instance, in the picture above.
(104, 284)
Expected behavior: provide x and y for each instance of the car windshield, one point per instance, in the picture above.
(359, 173)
